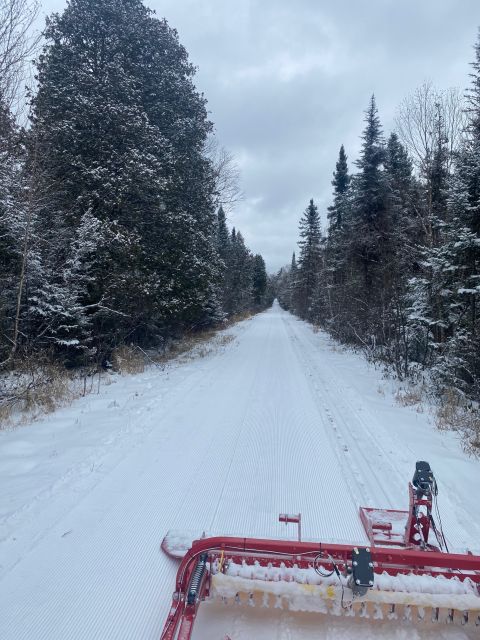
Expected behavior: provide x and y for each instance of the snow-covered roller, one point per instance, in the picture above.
(402, 575)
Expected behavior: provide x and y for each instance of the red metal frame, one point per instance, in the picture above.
(378, 523)
(182, 615)
(396, 552)
(295, 518)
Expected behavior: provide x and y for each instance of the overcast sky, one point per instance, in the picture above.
(287, 82)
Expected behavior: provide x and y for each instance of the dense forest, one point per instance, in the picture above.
(113, 193)
(397, 273)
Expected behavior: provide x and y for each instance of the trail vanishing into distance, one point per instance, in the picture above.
(276, 418)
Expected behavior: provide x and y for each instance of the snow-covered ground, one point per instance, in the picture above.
(277, 420)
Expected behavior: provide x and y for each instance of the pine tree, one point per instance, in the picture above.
(289, 301)
(259, 281)
(340, 183)
(285, 285)
(240, 276)
(223, 237)
(458, 274)
(293, 264)
(470, 157)
(309, 259)
(368, 230)
(401, 255)
(337, 243)
(223, 246)
(473, 94)
(11, 226)
(370, 197)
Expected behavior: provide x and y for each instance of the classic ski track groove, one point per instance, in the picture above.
(260, 427)
(344, 431)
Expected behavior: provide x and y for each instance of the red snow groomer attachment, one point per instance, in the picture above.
(401, 576)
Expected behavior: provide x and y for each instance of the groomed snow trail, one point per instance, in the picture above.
(277, 420)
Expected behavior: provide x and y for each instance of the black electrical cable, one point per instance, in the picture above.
(437, 511)
(320, 573)
(328, 575)
(437, 533)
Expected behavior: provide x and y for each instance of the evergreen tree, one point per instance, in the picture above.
(292, 283)
(401, 257)
(11, 226)
(309, 259)
(223, 237)
(426, 289)
(337, 243)
(340, 183)
(370, 192)
(470, 157)
(224, 251)
(240, 276)
(285, 285)
(365, 242)
(457, 361)
(473, 94)
(121, 132)
(259, 284)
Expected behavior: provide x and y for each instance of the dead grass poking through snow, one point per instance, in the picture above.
(411, 396)
(37, 388)
(128, 359)
(31, 392)
(192, 346)
(200, 344)
(453, 412)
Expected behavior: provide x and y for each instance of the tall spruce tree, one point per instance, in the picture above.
(225, 253)
(309, 259)
(259, 282)
(340, 183)
(239, 283)
(401, 257)
(370, 195)
(336, 245)
(223, 237)
(368, 230)
(292, 280)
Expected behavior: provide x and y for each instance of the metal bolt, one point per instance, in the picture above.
(354, 563)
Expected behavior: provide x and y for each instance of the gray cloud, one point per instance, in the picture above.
(287, 83)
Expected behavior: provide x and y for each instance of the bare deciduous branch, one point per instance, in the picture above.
(415, 123)
(226, 174)
(18, 42)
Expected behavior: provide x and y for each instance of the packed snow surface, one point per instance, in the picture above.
(277, 420)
